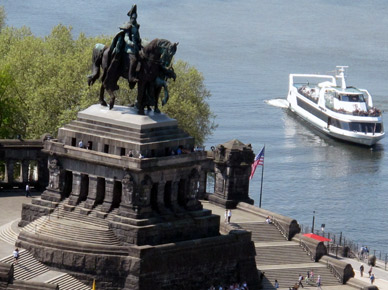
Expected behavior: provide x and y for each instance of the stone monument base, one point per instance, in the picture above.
(195, 264)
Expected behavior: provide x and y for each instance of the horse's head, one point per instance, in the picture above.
(168, 50)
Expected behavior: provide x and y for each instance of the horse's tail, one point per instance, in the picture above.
(98, 52)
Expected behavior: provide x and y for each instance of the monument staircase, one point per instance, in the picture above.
(72, 230)
(284, 260)
(29, 269)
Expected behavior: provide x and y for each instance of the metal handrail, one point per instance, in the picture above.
(280, 227)
(307, 249)
(336, 273)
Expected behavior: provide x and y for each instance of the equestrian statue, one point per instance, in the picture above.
(146, 64)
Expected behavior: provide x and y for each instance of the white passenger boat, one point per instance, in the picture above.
(342, 112)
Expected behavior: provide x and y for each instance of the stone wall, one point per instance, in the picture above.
(6, 274)
(198, 264)
(191, 264)
(204, 225)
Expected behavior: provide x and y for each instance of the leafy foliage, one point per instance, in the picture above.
(2, 17)
(43, 85)
(187, 102)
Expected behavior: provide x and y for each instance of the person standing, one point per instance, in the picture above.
(226, 216)
(372, 278)
(300, 281)
(308, 276)
(229, 215)
(16, 256)
(28, 194)
(362, 270)
(319, 282)
(370, 271)
(276, 284)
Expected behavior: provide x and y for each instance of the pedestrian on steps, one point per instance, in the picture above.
(300, 281)
(15, 256)
(372, 278)
(362, 270)
(319, 282)
(276, 284)
(229, 215)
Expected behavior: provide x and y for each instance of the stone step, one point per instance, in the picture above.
(27, 267)
(68, 282)
(288, 277)
(292, 254)
(77, 216)
(7, 234)
(280, 261)
(69, 230)
(112, 214)
(263, 232)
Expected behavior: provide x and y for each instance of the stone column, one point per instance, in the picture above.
(10, 166)
(193, 202)
(92, 192)
(108, 199)
(202, 184)
(75, 189)
(160, 199)
(174, 197)
(24, 168)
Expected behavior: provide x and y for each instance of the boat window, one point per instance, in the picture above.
(352, 98)
(366, 127)
(329, 99)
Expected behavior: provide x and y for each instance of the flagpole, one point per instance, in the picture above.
(261, 187)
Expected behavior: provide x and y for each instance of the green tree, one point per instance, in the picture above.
(2, 17)
(11, 115)
(188, 102)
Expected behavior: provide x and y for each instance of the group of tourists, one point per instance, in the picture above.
(309, 279)
(364, 252)
(372, 276)
(234, 286)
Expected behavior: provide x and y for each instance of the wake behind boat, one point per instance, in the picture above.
(342, 112)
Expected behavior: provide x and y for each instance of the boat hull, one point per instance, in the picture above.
(353, 137)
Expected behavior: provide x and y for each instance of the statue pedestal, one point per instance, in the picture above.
(51, 195)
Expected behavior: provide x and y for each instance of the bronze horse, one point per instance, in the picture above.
(154, 58)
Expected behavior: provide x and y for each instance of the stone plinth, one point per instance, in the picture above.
(232, 168)
(128, 179)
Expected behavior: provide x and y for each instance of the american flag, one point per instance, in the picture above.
(259, 160)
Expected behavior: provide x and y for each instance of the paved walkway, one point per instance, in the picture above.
(380, 274)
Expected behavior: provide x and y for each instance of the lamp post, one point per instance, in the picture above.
(312, 228)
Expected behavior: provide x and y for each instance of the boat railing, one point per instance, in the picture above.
(372, 112)
(308, 94)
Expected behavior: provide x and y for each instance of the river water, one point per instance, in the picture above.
(245, 50)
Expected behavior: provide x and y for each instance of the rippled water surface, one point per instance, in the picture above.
(245, 50)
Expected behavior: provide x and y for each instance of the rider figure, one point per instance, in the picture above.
(126, 43)
(132, 42)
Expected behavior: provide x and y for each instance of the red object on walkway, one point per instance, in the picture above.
(318, 238)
